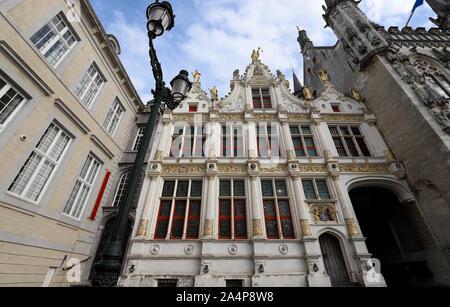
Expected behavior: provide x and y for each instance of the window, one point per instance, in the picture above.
(277, 210)
(234, 283)
(186, 198)
(188, 142)
(336, 108)
(349, 141)
(268, 141)
(83, 188)
(139, 137)
(192, 109)
(232, 141)
(232, 210)
(167, 283)
(42, 164)
(54, 40)
(121, 189)
(112, 119)
(10, 101)
(261, 98)
(89, 86)
(316, 189)
(303, 140)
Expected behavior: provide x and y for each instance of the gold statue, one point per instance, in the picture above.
(255, 54)
(355, 95)
(324, 76)
(196, 75)
(214, 93)
(307, 93)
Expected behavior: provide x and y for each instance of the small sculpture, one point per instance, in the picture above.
(255, 54)
(214, 93)
(307, 93)
(196, 75)
(355, 95)
(323, 75)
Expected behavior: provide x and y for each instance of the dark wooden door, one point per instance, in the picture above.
(333, 259)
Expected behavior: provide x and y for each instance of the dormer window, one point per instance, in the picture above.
(261, 98)
(192, 108)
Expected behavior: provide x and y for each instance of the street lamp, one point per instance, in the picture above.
(160, 18)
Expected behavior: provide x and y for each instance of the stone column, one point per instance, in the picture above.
(257, 220)
(349, 219)
(164, 140)
(303, 212)
(252, 141)
(208, 230)
(144, 224)
(328, 153)
(290, 151)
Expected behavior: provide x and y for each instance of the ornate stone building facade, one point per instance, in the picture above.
(253, 190)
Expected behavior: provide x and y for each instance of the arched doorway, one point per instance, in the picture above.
(391, 236)
(334, 260)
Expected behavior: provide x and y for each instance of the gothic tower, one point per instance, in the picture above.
(403, 76)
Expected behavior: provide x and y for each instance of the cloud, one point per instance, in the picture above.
(217, 37)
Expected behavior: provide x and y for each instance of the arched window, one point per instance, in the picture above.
(121, 189)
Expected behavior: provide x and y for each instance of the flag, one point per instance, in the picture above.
(417, 4)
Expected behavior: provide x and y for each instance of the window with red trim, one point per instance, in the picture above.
(192, 109)
(349, 141)
(277, 209)
(232, 141)
(184, 196)
(303, 140)
(232, 210)
(261, 98)
(336, 108)
(268, 141)
(188, 142)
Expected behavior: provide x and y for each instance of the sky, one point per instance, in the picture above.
(218, 36)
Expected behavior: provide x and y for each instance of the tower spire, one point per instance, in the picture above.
(303, 40)
(298, 87)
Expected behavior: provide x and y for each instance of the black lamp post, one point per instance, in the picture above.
(160, 18)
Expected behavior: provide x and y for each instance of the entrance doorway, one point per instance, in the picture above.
(391, 237)
(333, 259)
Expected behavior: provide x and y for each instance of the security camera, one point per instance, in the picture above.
(23, 137)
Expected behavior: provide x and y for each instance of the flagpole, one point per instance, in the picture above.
(412, 13)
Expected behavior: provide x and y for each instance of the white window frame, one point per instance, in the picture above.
(45, 158)
(139, 137)
(89, 82)
(3, 92)
(115, 114)
(231, 136)
(199, 133)
(121, 186)
(58, 37)
(269, 139)
(86, 180)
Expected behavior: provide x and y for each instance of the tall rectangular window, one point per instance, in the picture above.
(268, 141)
(89, 86)
(277, 210)
(35, 174)
(232, 141)
(261, 98)
(349, 141)
(139, 136)
(54, 40)
(10, 102)
(232, 209)
(185, 196)
(303, 140)
(316, 189)
(113, 118)
(83, 188)
(188, 142)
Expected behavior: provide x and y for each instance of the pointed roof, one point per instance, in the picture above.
(298, 87)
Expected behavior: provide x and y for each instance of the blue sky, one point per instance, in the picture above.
(217, 36)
